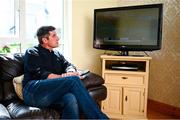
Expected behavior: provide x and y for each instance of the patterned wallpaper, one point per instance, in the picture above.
(164, 82)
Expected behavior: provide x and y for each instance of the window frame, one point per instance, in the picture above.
(67, 28)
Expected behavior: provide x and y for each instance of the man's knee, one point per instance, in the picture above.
(69, 98)
(70, 101)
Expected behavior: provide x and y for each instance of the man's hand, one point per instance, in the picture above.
(70, 74)
(51, 76)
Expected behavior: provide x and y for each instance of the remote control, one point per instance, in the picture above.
(84, 72)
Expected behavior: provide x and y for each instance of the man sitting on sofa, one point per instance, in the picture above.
(51, 81)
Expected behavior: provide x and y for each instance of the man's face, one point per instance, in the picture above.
(52, 42)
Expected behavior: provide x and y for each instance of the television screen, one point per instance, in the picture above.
(132, 28)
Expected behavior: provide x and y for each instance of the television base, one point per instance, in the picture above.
(125, 53)
(119, 53)
(122, 53)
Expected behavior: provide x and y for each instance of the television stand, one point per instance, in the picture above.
(127, 86)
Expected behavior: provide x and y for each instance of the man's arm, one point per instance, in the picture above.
(68, 67)
(32, 65)
(51, 76)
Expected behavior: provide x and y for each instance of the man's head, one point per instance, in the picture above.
(47, 37)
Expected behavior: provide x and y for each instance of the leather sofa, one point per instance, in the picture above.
(14, 108)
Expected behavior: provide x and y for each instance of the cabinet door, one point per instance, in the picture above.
(113, 102)
(133, 101)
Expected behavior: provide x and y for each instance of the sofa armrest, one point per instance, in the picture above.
(3, 112)
(92, 80)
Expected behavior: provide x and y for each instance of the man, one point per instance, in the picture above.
(51, 81)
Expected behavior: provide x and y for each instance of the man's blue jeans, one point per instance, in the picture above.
(68, 93)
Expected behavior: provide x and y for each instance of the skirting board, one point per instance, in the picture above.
(164, 108)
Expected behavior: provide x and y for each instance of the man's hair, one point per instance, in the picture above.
(43, 32)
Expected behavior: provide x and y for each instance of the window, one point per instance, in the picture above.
(9, 30)
(10, 15)
(22, 18)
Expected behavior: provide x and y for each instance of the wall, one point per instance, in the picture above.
(164, 84)
(83, 54)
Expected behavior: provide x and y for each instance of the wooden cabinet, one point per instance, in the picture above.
(126, 79)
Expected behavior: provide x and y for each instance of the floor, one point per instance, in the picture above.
(152, 114)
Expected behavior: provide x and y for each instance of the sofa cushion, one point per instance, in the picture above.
(11, 66)
(17, 82)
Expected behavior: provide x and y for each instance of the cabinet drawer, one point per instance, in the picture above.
(124, 79)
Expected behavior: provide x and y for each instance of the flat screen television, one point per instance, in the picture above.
(130, 28)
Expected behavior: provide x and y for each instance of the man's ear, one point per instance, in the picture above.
(44, 40)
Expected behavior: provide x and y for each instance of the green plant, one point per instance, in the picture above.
(6, 49)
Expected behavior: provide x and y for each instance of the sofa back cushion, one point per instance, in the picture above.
(1, 91)
(11, 66)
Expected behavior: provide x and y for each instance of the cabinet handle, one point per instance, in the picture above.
(126, 98)
(124, 78)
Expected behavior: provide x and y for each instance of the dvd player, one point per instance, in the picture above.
(124, 67)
